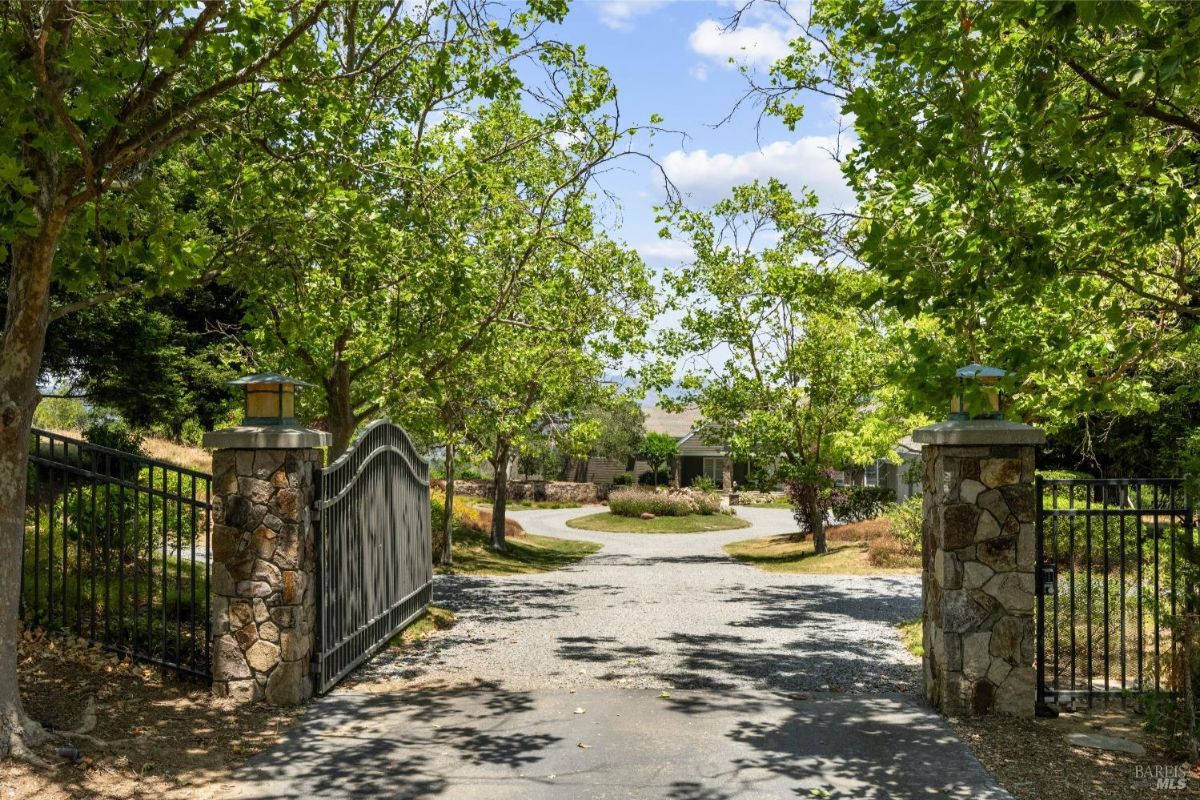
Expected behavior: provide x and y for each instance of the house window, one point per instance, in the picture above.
(871, 474)
(713, 469)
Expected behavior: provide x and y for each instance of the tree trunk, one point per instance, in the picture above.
(448, 523)
(818, 525)
(500, 497)
(340, 409)
(24, 338)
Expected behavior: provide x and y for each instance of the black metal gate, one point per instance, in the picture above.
(374, 549)
(1116, 567)
(115, 551)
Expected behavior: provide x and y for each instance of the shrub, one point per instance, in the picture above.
(623, 479)
(763, 480)
(635, 502)
(660, 478)
(115, 435)
(859, 503)
(705, 484)
(679, 503)
(113, 517)
(61, 413)
(905, 519)
(467, 474)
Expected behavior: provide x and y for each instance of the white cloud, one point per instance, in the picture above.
(752, 45)
(665, 252)
(620, 14)
(804, 162)
(699, 72)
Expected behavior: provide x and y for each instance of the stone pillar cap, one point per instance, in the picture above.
(979, 431)
(266, 437)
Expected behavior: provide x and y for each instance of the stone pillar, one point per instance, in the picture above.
(978, 557)
(263, 562)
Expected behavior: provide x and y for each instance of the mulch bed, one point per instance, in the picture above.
(1033, 761)
(165, 736)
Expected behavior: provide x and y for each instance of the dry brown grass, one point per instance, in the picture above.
(184, 455)
(884, 550)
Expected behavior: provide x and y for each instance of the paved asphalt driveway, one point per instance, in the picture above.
(657, 667)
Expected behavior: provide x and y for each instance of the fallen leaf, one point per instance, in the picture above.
(664, 693)
(584, 746)
(580, 711)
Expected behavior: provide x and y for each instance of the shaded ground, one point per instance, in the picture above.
(483, 741)
(525, 554)
(167, 737)
(668, 611)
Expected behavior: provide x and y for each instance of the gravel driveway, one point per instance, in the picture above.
(552, 686)
(667, 611)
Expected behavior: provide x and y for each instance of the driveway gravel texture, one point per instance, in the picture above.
(666, 612)
(656, 668)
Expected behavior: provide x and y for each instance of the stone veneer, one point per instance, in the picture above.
(979, 559)
(263, 608)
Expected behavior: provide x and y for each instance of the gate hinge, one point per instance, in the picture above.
(316, 510)
(1049, 578)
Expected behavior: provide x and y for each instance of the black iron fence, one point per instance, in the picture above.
(116, 551)
(1117, 568)
(374, 549)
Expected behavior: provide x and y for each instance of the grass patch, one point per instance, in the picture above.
(786, 554)
(693, 523)
(529, 505)
(769, 504)
(525, 554)
(911, 636)
(433, 620)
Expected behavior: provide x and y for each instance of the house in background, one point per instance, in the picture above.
(698, 459)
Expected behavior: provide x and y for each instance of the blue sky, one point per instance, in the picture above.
(671, 58)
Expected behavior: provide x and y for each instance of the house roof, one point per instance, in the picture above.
(674, 424)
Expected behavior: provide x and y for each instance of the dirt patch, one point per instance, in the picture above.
(167, 737)
(1033, 761)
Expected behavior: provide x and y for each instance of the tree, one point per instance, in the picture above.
(160, 362)
(417, 175)
(1027, 175)
(98, 99)
(657, 449)
(802, 376)
(537, 374)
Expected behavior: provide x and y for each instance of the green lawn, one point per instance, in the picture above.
(526, 505)
(785, 554)
(772, 504)
(524, 554)
(433, 620)
(695, 523)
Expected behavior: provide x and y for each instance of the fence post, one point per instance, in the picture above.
(263, 561)
(978, 565)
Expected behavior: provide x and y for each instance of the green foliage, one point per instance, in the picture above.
(127, 520)
(635, 502)
(656, 449)
(705, 484)
(620, 426)
(61, 413)
(114, 434)
(805, 383)
(623, 479)
(654, 478)
(1026, 179)
(158, 362)
(906, 521)
(859, 503)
